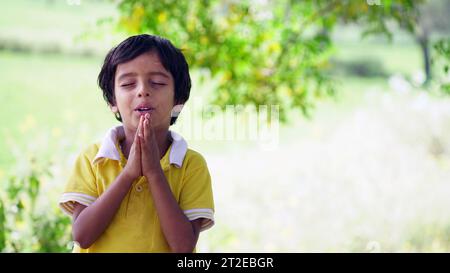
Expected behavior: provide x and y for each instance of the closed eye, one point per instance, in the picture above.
(158, 83)
(126, 84)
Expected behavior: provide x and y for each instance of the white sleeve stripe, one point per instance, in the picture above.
(76, 195)
(198, 210)
(192, 218)
(79, 200)
(206, 214)
(198, 215)
(67, 200)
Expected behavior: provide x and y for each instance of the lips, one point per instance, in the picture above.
(142, 109)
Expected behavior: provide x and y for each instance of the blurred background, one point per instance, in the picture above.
(362, 155)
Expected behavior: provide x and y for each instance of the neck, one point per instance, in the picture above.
(163, 140)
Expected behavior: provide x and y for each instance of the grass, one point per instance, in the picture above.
(402, 55)
(49, 93)
(49, 26)
(53, 21)
(404, 59)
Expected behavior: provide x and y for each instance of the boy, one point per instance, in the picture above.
(141, 189)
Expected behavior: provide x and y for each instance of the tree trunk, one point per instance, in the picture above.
(425, 47)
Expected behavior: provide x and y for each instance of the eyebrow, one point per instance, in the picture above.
(130, 74)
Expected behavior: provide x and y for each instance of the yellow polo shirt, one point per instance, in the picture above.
(136, 227)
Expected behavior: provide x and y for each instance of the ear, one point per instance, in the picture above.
(176, 110)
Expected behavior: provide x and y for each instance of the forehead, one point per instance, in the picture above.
(146, 63)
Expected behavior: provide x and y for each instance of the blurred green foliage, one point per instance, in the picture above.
(429, 237)
(268, 52)
(26, 225)
(442, 51)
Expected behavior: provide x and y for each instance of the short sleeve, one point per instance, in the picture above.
(81, 184)
(196, 198)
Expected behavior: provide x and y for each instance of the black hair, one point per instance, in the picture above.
(171, 58)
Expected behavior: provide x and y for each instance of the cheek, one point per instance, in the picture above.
(169, 102)
(122, 98)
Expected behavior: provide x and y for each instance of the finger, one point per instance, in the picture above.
(136, 137)
(148, 117)
(147, 127)
(137, 154)
(139, 130)
(137, 148)
(143, 140)
(150, 124)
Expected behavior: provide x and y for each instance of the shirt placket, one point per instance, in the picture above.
(137, 189)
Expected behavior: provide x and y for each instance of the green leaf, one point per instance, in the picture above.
(33, 188)
(2, 226)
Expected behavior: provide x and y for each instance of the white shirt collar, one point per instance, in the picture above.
(108, 148)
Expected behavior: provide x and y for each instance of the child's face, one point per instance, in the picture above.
(142, 86)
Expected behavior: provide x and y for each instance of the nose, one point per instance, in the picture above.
(144, 91)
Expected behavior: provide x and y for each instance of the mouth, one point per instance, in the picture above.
(141, 110)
